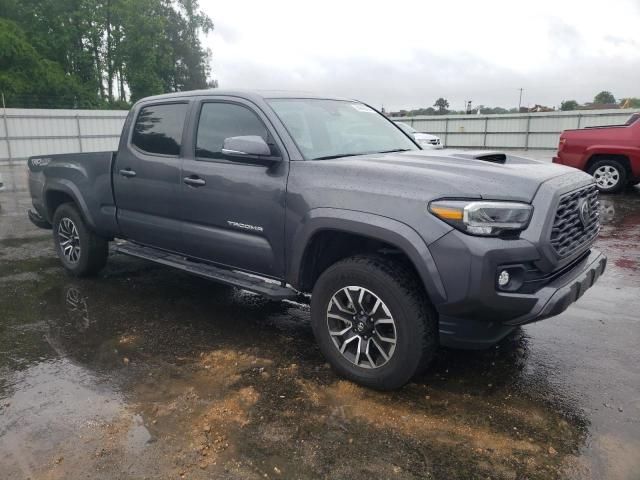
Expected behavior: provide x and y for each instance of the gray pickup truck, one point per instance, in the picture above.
(402, 250)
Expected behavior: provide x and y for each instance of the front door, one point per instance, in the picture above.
(234, 208)
(147, 179)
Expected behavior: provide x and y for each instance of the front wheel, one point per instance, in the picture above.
(80, 250)
(609, 174)
(373, 322)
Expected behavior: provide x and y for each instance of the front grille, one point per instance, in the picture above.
(571, 228)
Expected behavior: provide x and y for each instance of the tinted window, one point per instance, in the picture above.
(223, 120)
(158, 128)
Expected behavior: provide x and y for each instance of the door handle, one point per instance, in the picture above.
(127, 173)
(194, 181)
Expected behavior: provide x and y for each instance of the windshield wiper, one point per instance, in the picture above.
(340, 155)
(396, 150)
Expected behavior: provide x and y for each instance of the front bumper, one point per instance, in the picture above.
(478, 315)
(555, 297)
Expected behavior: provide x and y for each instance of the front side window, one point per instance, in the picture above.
(158, 128)
(325, 129)
(224, 120)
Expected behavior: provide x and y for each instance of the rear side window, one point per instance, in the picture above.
(158, 128)
(223, 120)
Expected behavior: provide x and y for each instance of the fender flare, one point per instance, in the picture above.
(66, 186)
(610, 150)
(378, 227)
(632, 154)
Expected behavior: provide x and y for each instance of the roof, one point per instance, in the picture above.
(248, 94)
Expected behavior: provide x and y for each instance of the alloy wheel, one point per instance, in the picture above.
(69, 240)
(361, 327)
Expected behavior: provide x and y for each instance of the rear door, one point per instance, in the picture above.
(235, 216)
(147, 179)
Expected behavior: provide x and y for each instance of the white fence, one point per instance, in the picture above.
(519, 131)
(27, 132)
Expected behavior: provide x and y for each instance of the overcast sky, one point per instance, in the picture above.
(405, 54)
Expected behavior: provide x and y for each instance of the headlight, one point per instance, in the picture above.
(483, 217)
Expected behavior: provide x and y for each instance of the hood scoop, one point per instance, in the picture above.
(493, 157)
(486, 156)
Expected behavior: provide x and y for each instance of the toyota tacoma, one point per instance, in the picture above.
(401, 250)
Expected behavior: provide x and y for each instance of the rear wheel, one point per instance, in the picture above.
(609, 174)
(373, 322)
(80, 250)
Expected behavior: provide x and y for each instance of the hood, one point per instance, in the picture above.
(450, 173)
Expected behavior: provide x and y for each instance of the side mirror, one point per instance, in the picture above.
(248, 146)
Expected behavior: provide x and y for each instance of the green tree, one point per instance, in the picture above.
(146, 51)
(568, 105)
(118, 50)
(192, 61)
(604, 97)
(442, 105)
(26, 79)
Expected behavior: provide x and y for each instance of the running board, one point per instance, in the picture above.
(229, 277)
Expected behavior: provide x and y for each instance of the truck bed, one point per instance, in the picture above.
(82, 177)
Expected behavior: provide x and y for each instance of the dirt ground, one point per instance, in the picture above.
(144, 372)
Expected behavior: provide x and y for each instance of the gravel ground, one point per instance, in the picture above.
(143, 372)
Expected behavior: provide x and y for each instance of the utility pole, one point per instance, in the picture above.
(520, 100)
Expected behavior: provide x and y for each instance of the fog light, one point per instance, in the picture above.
(504, 278)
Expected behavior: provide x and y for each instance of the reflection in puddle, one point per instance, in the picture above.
(607, 211)
(77, 308)
(620, 234)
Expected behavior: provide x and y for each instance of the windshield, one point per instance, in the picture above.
(325, 129)
(406, 127)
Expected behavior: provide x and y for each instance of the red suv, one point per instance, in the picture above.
(611, 154)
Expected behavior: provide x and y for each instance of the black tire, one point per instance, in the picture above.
(416, 326)
(619, 173)
(93, 249)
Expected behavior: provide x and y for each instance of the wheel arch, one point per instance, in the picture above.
(352, 227)
(621, 158)
(62, 191)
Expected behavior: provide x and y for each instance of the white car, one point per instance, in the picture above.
(425, 140)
